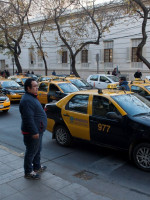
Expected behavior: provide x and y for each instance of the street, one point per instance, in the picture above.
(103, 171)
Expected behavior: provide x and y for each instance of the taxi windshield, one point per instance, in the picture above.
(68, 87)
(114, 78)
(78, 83)
(147, 87)
(24, 79)
(133, 104)
(10, 84)
(45, 78)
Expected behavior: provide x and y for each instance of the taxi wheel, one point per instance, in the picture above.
(62, 136)
(141, 156)
(5, 111)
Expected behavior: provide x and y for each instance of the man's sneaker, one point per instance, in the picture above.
(43, 168)
(32, 175)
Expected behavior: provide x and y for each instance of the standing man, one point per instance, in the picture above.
(138, 74)
(34, 122)
(114, 72)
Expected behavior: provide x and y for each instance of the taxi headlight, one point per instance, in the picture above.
(12, 93)
(7, 100)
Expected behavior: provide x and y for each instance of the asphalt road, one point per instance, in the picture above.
(104, 171)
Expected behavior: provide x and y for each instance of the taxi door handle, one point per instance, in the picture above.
(66, 115)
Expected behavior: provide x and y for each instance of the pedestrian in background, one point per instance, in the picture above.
(123, 83)
(138, 74)
(54, 73)
(114, 72)
(34, 122)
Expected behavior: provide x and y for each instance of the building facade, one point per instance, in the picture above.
(117, 48)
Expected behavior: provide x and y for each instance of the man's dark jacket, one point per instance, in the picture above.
(124, 86)
(33, 116)
(137, 75)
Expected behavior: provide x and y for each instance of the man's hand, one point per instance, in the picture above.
(35, 136)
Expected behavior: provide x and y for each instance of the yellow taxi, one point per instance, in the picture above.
(19, 79)
(111, 118)
(46, 78)
(4, 103)
(55, 89)
(80, 83)
(11, 89)
(141, 87)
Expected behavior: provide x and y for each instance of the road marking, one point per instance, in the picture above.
(12, 151)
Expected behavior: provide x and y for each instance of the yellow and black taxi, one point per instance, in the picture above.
(80, 83)
(141, 87)
(4, 102)
(11, 89)
(55, 89)
(46, 78)
(19, 79)
(115, 119)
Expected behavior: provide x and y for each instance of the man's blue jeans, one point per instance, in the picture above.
(32, 155)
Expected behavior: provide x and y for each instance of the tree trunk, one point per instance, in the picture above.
(19, 68)
(45, 63)
(73, 63)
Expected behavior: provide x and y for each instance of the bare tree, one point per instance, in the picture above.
(142, 8)
(37, 33)
(79, 24)
(12, 17)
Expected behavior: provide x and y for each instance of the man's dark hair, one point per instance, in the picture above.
(123, 78)
(28, 83)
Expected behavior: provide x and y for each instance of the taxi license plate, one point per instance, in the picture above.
(1, 106)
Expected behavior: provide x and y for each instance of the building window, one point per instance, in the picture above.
(135, 43)
(108, 55)
(64, 57)
(84, 56)
(108, 51)
(134, 56)
(31, 56)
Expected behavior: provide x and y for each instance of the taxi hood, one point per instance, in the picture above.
(143, 119)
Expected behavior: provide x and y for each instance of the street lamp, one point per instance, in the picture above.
(13, 64)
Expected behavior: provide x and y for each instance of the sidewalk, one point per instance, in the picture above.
(13, 185)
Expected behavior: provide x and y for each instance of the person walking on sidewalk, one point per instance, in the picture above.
(34, 122)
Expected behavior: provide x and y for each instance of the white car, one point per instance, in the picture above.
(147, 78)
(101, 81)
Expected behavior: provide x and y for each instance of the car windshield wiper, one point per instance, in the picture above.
(148, 113)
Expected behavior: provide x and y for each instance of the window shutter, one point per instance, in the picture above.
(89, 56)
(59, 57)
(102, 55)
(78, 58)
(68, 57)
(128, 54)
(144, 51)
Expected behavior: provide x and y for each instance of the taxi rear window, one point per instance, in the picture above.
(133, 104)
(148, 87)
(68, 87)
(79, 103)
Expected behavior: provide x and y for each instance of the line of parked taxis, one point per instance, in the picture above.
(110, 118)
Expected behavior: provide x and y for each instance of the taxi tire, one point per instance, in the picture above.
(5, 111)
(63, 136)
(142, 152)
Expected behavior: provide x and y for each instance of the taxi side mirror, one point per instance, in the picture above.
(147, 97)
(113, 115)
